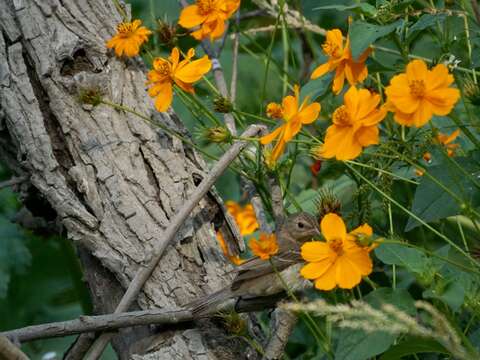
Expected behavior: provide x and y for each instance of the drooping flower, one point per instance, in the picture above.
(265, 246)
(355, 125)
(244, 217)
(446, 140)
(340, 261)
(418, 94)
(209, 15)
(340, 59)
(166, 72)
(234, 259)
(128, 39)
(294, 116)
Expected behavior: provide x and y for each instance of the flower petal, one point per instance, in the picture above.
(309, 113)
(333, 227)
(321, 70)
(313, 251)
(327, 281)
(194, 71)
(316, 269)
(347, 275)
(367, 135)
(267, 139)
(417, 70)
(340, 143)
(164, 97)
(190, 17)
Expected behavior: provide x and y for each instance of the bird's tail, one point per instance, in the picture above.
(209, 304)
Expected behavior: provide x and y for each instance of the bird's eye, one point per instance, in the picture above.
(301, 225)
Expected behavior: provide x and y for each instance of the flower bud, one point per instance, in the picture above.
(217, 134)
(90, 96)
(167, 33)
(472, 92)
(327, 203)
(222, 105)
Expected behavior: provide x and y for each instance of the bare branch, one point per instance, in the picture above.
(88, 324)
(144, 272)
(9, 351)
(283, 325)
(13, 181)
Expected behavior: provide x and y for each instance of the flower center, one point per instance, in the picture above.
(341, 116)
(417, 88)
(125, 28)
(330, 48)
(336, 245)
(163, 68)
(274, 111)
(205, 6)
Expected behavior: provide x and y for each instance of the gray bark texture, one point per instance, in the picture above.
(107, 179)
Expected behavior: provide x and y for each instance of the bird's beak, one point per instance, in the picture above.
(317, 232)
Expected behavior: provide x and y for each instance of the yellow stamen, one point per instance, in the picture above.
(125, 28)
(417, 88)
(336, 245)
(205, 6)
(341, 116)
(330, 48)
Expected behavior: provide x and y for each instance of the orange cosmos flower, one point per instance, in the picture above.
(210, 15)
(354, 125)
(244, 217)
(264, 247)
(340, 59)
(340, 261)
(128, 39)
(166, 72)
(446, 140)
(234, 259)
(419, 93)
(294, 117)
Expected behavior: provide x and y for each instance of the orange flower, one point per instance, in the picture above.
(446, 140)
(234, 259)
(168, 71)
(418, 94)
(354, 125)
(264, 247)
(128, 39)
(294, 117)
(340, 261)
(210, 15)
(244, 217)
(340, 59)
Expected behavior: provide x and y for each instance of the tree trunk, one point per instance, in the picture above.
(109, 179)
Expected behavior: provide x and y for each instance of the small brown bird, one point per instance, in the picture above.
(256, 277)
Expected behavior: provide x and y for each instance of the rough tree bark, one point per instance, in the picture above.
(110, 180)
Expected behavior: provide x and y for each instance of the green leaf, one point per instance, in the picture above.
(413, 345)
(451, 293)
(425, 21)
(363, 34)
(364, 8)
(360, 345)
(316, 88)
(396, 254)
(431, 202)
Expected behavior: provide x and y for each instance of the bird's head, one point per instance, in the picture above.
(302, 226)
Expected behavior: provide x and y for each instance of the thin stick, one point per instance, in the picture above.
(89, 324)
(12, 181)
(143, 274)
(236, 42)
(9, 351)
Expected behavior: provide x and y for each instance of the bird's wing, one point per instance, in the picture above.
(257, 267)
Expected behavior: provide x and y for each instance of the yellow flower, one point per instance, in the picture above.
(340, 59)
(128, 39)
(446, 140)
(210, 15)
(168, 71)
(340, 261)
(234, 259)
(264, 247)
(294, 117)
(355, 125)
(418, 94)
(244, 217)
(274, 110)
